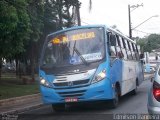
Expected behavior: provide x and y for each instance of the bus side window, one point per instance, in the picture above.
(133, 51)
(129, 50)
(119, 48)
(123, 48)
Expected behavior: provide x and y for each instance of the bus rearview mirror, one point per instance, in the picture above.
(113, 40)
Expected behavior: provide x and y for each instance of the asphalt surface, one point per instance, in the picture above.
(129, 104)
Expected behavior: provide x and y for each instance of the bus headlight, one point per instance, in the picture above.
(100, 76)
(45, 83)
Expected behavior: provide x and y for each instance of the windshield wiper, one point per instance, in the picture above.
(80, 55)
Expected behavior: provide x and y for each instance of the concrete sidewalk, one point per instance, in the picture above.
(20, 104)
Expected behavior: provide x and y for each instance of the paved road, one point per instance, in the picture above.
(128, 104)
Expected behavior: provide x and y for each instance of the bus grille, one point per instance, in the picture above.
(78, 82)
(72, 93)
(70, 73)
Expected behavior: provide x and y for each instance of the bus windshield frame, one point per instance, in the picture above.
(74, 47)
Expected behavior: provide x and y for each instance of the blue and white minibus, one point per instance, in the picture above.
(87, 64)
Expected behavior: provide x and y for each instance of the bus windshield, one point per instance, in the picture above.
(80, 46)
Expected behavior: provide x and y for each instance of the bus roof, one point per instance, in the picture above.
(76, 27)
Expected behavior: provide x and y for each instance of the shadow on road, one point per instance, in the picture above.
(90, 111)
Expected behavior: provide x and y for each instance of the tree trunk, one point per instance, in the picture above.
(16, 66)
(78, 13)
(60, 13)
(19, 69)
(0, 68)
(69, 24)
(32, 59)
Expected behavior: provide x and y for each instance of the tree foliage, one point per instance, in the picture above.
(150, 43)
(14, 27)
(24, 25)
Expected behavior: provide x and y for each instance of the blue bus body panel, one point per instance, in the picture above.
(116, 71)
(93, 92)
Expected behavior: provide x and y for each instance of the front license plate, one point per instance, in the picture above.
(71, 100)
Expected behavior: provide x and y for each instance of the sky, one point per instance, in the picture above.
(115, 12)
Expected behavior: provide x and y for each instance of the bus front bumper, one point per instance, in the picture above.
(95, 92)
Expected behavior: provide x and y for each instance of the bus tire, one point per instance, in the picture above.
(114, 102)
(134, 92)
(58, 107)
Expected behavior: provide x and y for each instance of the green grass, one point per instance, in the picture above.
(12, 90)
(13, 86)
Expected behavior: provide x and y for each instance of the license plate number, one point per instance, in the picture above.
(71, 100)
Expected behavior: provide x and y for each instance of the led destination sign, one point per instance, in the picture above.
(73, 37)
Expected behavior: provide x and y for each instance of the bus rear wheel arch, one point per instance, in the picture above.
(115, 101)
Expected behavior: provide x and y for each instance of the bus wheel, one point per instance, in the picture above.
(114, 102)
(58, 107)
(134, 92)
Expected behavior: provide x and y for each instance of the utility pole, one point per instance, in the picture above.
(129, 17)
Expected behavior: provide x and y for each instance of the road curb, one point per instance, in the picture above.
(21, 99)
